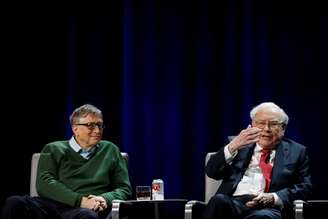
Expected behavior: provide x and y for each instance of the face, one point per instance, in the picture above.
(272, 130)
(88, 131)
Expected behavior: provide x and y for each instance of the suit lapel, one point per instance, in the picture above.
(245, 156)
(282, 154)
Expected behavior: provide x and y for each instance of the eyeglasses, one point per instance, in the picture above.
(92, 125)
(270, 124)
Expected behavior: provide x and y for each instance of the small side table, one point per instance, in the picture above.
(158, 209)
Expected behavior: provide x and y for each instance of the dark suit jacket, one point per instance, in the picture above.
(291, 178)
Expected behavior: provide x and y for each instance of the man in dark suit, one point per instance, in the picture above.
(262, 172)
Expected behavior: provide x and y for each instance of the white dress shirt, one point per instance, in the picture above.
(253, 182)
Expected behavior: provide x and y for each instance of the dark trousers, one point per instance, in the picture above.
(227, 207)
(26, 207)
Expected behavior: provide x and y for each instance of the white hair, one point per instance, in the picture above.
(283, 117)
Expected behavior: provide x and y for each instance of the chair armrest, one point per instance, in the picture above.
(306, 209)
(298, 209)
(194, 209)
(118, 207)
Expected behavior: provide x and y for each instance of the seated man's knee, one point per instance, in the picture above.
(15, 202)
(220, 199)
(15, 207)
(87, 214)
(264, 214)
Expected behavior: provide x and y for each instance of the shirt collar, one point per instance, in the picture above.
(258, 148)
(76, 147)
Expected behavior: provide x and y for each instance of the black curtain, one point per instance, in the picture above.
(173, 78)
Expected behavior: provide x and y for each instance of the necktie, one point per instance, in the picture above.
(266, 167)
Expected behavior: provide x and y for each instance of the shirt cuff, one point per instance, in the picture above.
(227, 155)
(277, 200)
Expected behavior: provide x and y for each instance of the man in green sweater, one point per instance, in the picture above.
(77, 179)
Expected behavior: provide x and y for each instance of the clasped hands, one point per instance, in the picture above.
(261, 200)
(95, 203)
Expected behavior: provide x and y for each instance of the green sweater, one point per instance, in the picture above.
(65, 176)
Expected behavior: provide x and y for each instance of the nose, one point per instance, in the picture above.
(267, 127)
(96, 128)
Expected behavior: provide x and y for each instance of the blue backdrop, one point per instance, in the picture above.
(173, 80)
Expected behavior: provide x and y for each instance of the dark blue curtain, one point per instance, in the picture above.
(192, 72)
(173, 78)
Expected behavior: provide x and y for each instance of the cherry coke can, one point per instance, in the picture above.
(157, 189)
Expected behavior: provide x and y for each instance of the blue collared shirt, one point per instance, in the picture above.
(86, 154)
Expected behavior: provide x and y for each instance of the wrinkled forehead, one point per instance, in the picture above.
(268, 114)
(89, 117)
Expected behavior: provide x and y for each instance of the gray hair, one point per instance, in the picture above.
(270, 106)
(83, 111)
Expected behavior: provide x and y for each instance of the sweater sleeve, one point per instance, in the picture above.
(120, 186)
(47, 182)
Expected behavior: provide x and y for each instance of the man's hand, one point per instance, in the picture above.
(102, 202)
(246, 136)
(89, 203)
(95, 203)
(262, 200)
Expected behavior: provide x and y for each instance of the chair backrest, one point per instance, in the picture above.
(34, 167)
(211, 185)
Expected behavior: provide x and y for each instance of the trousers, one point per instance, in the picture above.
(227, 207)
(26, 207)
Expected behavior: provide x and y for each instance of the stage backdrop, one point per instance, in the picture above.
(173, 79)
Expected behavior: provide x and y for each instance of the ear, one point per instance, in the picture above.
(283, 130)
(74, 129)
